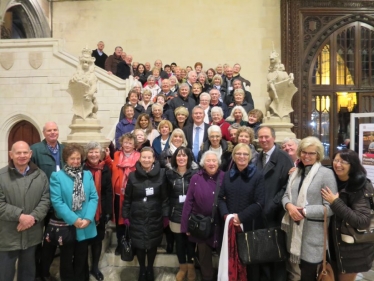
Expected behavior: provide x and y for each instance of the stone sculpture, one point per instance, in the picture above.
(83, 87)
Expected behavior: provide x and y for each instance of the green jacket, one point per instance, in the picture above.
(43, 158)
(22, 194)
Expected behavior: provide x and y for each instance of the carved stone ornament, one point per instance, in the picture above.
(35, 59)
(7, 60)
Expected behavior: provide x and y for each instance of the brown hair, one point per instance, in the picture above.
(70, 148)
(258, 113)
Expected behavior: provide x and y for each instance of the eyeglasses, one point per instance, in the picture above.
(342, 162)
(308, 153)
(214, 137)
(242, 154)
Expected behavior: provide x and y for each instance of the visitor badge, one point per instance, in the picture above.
(230, 88)
(149, 191)
(182, 198)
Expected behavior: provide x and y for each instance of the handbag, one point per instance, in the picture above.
(353, 235)
(201, 226)
(127, 253)
(325, 272)
(262, 245)
(59, 233)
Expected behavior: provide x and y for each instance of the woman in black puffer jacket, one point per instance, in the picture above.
(145, 206)
(352, 205)
(178, 179)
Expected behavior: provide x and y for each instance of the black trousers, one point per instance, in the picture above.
(120, 228)
(73, 261)
(185, 248)
(308, 270)
(26, 264)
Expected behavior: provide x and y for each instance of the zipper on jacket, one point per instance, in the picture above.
(276, 240)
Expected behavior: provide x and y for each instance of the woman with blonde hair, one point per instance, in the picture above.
(146, 101)
(181, 115)
(162, 141)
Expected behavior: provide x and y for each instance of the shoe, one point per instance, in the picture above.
(191, 273)
(182, 272)
(117, 252)
(98, 275)
(150, 275)
(142, 276)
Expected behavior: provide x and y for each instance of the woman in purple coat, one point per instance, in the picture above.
(199, 200)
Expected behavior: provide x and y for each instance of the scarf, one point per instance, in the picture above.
(172, 148)
(295, 231)
(96, 171)
(126, 163)
(230, 268)
(78, 191)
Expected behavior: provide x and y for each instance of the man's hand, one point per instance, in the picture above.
(25, 222)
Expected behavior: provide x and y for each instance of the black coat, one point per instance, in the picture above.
(146, 212)
(99, 60)
(353, 207)
(188, 132)
(177, 186)
(188, 102)
(123, 70)
(243, 193)
(247, 98)
(276, 177)
(138, 109)
(226, 153)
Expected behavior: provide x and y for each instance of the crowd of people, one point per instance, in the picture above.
(184, 145)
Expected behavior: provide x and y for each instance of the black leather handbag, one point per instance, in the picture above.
(201, 226)
(262, 245)
(59, 233)
(127, 253)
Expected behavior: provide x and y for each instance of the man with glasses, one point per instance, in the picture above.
(275, 165)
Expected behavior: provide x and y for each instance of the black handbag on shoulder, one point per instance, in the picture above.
(201, 226)
(127, 253)
(262, 245)
(60, 233)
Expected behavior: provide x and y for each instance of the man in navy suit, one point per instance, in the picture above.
(197, 132)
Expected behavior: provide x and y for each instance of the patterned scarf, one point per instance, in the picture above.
(96, 171)
(78, 191)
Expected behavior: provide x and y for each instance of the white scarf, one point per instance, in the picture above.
(293, 229)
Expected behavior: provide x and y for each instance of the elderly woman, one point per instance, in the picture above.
(218, 145)
(123, 163)
(242, 194)
(196, 90)
(204, 103)
(350, 206)
(74, 200)
(173, 84)
(146, 102)
(103, 183)
(144, 122)
(177, 139)
(146, 204)
(140, 139)
(152, 86)
(126, 125)
(238, 115)
(304, 205)
(216, 114)
(210, 74)
(217, 84)
(178, 180)
(162, 141)
(290, 146)
(133, 100)
(157, 114)
(181, 115)
(202, 79)
(239, 100)
(199, 200)
(246, 135)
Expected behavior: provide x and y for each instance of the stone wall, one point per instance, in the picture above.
(40, 94)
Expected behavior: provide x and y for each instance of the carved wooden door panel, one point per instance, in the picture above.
(24, 131)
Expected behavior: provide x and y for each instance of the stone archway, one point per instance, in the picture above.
(30, 18)
(24, 131)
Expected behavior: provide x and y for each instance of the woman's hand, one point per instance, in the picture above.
(78, 223)
(85, 223)
(294, 212)
(236, 220)
(188, 234)
(328, 195)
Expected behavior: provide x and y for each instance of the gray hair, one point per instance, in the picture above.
(234, 126)
(214, 128)
(205, 95)
(202, 74)
(205, 154)
(184, 85)
(216, 109)
(231, 118)
(294, 140)
(239, 91)
(150, 77)
(181, 133)
(217, 76)
(157, 105)
(92, 145)
(191, 72)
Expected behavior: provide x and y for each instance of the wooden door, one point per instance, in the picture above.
(24, 131)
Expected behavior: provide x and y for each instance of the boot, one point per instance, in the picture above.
(191, 274)
(182, 272)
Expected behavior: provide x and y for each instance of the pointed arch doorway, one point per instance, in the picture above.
(24, 131)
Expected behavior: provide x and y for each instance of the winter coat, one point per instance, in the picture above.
(138, 109)
(123, 127)
(230, 162)
(353, 207)
(146, 212)
(199, 200)
(312, 238)
(111, 63)
(224, 129)
(19, 194)
(246, 105)
(255, 127)
(226, 152)
(177, 186)
(61, 198)
(123, 70)
(99, 60)
(156, 145)
(187, 102)
(42, 157)
(242, 193)
(222, 105)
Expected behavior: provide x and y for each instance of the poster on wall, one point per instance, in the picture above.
(366, 149)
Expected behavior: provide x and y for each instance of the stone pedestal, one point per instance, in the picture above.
(282, 127)
(84, 131)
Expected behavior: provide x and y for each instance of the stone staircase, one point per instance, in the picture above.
(165, 267)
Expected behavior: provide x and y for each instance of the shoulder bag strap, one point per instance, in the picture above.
(218, 185)
(324, 240)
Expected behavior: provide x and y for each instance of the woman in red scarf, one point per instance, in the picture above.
(123, 163)
(102, 178)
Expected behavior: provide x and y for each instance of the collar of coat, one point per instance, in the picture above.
(356, 183)
(155, 170)
(246, 173)
(32, 166)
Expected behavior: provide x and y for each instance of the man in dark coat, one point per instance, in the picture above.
(99, 55)
(113, 60)
(237, 84)
(275, 165)
(190, 131)
(182, 99)
(236, 73)
(124, 68)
